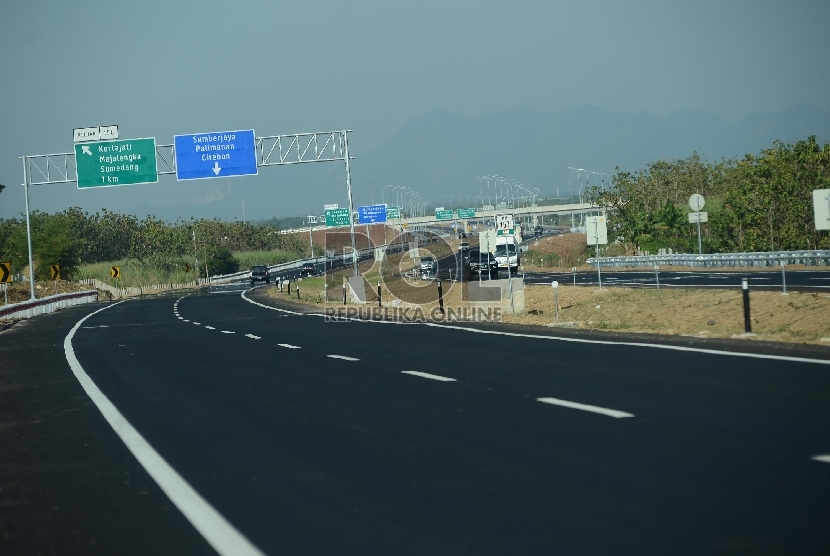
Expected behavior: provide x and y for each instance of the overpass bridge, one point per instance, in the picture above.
(519, 213)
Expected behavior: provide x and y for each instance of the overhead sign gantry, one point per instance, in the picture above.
(105, 163)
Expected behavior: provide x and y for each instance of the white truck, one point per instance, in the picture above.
(507, 253)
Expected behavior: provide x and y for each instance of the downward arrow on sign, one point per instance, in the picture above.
(216, 168)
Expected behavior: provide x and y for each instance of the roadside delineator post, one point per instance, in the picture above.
(440, 297)
(380, 304)
(784, 278)
(555, 285)
(657, 275)
(747, 323)
(298, 293)
(344, 291)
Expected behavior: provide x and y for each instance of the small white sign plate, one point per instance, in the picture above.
(702, 216)
(596, 230)
(83, 134)
(106, 132)
(504, 222)
(821, 208)
(330, 207)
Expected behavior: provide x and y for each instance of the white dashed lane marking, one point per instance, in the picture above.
(584, 407)
(823, 457)
(209, 327)
(343, 357)
(289, 346)
(228, 332)
(427, 375)
(251, 336)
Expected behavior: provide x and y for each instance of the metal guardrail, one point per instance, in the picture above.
(28, 309)
(719, 260)
(225, 278)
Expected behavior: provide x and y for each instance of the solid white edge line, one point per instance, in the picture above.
(216, 530)
(343, 357)
(585, 407)
(289, 346)
(564, 339)
(822, 457)
(427, 375)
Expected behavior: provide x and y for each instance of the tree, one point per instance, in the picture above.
(220, 260)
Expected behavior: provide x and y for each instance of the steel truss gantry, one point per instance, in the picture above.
(272, 150)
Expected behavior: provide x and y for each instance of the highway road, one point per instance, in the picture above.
(236, 426)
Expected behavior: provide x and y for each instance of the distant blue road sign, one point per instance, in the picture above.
(215, 155)
(371, 214)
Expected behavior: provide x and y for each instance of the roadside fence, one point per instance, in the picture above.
(719, 260)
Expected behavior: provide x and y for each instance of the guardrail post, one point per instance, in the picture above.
(747, 323)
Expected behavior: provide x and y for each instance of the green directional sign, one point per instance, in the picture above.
(443, 214)
(337, 217)
(393, 212)
(507, 232)
(122, 162)
(466, 213)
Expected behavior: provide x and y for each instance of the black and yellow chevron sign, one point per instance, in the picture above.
(186, 267)
(5, 273)
(115, 271)
(55, 271)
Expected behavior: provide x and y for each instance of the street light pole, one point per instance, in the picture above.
(243, 208)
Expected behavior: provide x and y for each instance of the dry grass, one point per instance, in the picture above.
(797, 317)
(19, 292)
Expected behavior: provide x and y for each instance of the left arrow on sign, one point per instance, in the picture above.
(216, 168)
(86, 150)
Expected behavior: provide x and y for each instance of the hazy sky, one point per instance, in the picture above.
(159, 68)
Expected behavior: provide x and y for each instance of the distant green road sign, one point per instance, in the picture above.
(507, 232)
(467, 213)
(122, 162)
(337, 217)
(443, 214)
(393, 212)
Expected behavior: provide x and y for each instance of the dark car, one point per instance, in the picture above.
(538, 230)
(307, 269)
(483, 263)
(259, 273)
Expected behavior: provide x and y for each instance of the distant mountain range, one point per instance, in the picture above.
(439, 153)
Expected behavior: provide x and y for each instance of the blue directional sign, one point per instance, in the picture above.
(215, 155)
(371, 214)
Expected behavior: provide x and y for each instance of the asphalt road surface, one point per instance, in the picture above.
(236, 426)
